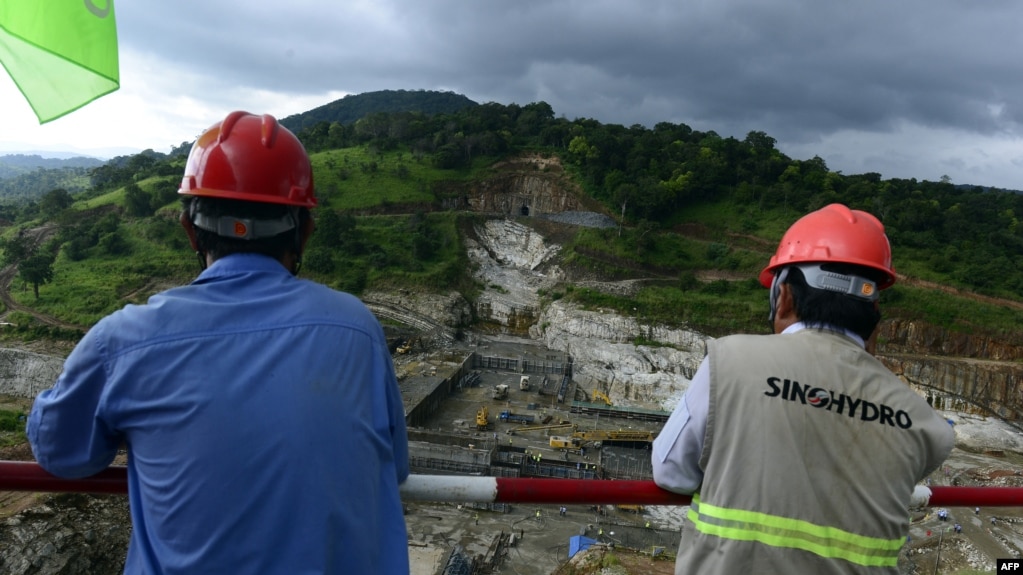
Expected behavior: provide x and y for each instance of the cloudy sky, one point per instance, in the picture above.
(909, 89)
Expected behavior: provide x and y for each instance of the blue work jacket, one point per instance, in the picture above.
(263, 423)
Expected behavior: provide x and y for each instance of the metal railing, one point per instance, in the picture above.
(29, 476)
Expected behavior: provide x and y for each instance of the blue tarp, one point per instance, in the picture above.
(579, 543)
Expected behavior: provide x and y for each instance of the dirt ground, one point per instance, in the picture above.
(542, 549)
(934, 545)
(541, 546)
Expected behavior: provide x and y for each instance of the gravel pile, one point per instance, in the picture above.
(585, 219)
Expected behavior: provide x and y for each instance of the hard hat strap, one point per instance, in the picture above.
(245, 228)
(851, 285)
(779, 278)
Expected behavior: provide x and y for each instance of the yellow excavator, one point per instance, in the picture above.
(483, 419)
(407, 346)
(601, 397)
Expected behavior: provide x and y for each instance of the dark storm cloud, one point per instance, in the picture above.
(801, 70)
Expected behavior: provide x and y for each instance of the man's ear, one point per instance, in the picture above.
(189, 230)
(307, 230)
(785, 310)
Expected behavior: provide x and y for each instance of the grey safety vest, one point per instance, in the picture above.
(812, 451)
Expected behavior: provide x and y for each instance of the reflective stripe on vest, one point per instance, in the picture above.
(777, 531)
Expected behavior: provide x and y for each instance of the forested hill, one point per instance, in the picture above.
(353, 107)
(690, 203)
(12, 165)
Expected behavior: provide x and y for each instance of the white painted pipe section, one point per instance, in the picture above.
(449, 488)
(921, 497)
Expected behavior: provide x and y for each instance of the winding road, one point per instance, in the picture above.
(7, 275)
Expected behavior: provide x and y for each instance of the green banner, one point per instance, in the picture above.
(62, 54)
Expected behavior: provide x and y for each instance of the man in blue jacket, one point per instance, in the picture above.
(263, 422)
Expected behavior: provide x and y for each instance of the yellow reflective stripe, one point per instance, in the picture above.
(777, 531)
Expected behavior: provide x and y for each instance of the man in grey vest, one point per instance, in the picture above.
(800, 448)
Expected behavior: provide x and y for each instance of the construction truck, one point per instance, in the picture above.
(501, 391)
(601, 397)
(515, 417)
(524, 383)
(483, 419)
(564, 442)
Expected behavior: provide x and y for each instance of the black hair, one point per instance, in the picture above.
(219, 246)
(817, 306)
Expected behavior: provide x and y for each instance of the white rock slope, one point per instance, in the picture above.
(508, 258)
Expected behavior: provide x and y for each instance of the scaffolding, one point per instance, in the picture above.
(619, 412)
(460, 562)
(522, 365)
(629, 463)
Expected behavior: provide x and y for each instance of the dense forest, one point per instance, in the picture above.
(351, 108)
(656, 177)
(686, 200)
(14, 164)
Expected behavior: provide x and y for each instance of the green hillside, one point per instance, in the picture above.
(354, 107)
(699, 214)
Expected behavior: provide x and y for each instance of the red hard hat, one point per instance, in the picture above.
(835, 234)
(251, 158)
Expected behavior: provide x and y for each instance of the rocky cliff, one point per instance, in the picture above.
(957, 371)
(25, 374)
(67, 534)
(907, 336)
(527, 186)
(515, 263)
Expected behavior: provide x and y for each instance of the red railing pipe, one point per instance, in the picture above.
(29, 476)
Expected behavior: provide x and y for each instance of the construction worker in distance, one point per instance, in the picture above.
(264, 425)
(800, 448)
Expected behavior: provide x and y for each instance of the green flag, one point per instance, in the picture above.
(62, 54)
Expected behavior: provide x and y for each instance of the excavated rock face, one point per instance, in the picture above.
(71, 534)
(957, 371)
(432, 312)
(25, 374)
(600, 343)
(508, 257)
(904, 336)
(972, 386)
(526, 186)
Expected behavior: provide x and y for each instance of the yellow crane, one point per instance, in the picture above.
(562, 425)
(613, 435)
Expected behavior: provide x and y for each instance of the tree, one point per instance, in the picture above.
(114, 243)
(55, 201)
(318, 259)
(37, 270)
(137, 202)
(16, 249)
(425, 240)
